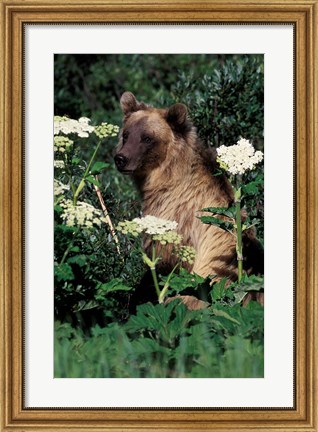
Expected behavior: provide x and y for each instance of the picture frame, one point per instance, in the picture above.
(303, 16)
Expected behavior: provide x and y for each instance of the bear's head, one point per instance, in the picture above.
(147, 134)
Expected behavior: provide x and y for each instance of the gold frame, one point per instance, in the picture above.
(301, 13)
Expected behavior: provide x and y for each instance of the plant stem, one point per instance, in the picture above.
(108, 219)
(69, 247)
(166, 286)
(155, 280)
(82, 182)
(153, 271)
(239, 249)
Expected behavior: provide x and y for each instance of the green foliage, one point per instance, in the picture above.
(227, 103)
(231, 294)
(253, 199)
(223, 211)
(93, 275)
(95, 333)
(183, 281)
(166, 341)
(98, 167)
(91, 85)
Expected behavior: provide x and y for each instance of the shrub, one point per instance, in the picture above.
(96, 336)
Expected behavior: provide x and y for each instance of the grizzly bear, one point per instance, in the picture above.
(174, 172)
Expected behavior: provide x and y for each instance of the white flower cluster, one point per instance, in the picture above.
(66, 125)
(106, 129)
(187, 254)
(61, 143)
(129, 227)
(59, 188)
(238, 158)
(153, 225)
(83, 214)
(59, 164)
(169, 237)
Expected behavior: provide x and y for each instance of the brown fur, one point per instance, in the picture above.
(174, 173)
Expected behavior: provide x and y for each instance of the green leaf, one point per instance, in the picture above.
(165, 321)
(76, 161)
(252, 188)
(224, 211)
(80, 260)
(92, 180)
(222, 313)
(98, 167)
(63, 272)
(58, 209)
(210, 220)
(251, 283)
(75, 249)
(218, 290)
(183, 280)
(146, 346)
(114, 285)
(238, 291)
(239, 296)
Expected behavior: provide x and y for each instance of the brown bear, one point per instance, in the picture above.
(173, 171)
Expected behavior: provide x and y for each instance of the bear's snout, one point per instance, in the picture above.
(120, 161)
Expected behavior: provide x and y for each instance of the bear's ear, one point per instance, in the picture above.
(177, 117)
(129, 103)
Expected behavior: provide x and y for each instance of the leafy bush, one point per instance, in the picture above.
(227, 103)
(88, 263)
(96, 333)
(167, 341)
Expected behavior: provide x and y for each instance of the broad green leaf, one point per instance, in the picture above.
(224, 211)
(183, 280)
(76, 161)
(180, 323)
(218, 290)
(63, 272)
(210, 220)
(80, 260)
(98, 167)
(251, 283)
(114, 285)
(75, 249)
(167, 320)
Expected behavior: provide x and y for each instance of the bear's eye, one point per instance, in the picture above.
(146, 139)
(125, 136)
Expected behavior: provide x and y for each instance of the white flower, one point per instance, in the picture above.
(238, 158)
(106, 129)
(129, 227)
(59, 188)
(153, 225)
(59, 164)
(83, 214)
(187, 254)
(168, 237)
(65, 125)
(62, 143)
